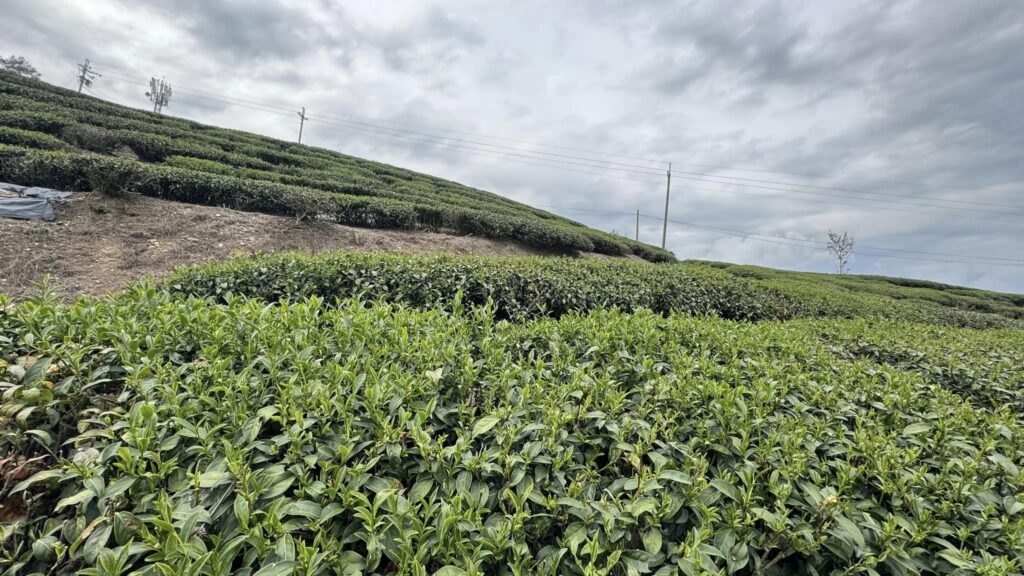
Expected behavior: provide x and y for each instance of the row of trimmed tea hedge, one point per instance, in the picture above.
(33, 114)
(82, 171)
(157, 434)
(530, 287)
(518, 288)
(853, 296)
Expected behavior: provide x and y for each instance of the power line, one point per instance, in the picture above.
(441, 129)
(400, 134)
(507, 155)
(651, 170)
(850, 178)
(852, 203)
(137, 81)
(817, 244)
(67, 83)
(825, 194)
(455, 143)
(646, 170)
(366, 127)
(193, 99)
(692, 175)
(435, 140)
(547, 162)
(850, 190)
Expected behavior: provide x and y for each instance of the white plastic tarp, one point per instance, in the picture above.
(30, 202)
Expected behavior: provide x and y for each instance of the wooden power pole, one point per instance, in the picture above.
(668, 189)
(86, 75)
(302, 122)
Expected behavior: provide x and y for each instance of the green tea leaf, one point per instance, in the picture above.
(277, 568)
(484, 424)
(916, 428)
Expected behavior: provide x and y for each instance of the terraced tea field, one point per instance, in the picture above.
(56, 138)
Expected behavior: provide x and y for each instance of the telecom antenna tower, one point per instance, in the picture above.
(159, 94)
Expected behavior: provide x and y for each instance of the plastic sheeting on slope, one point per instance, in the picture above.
(30, 202)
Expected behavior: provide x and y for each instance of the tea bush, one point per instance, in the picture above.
(160, 434)
(977, 365)
(30, 139)
(255, 173)
(530, 287)
(852, 296)
(517, 288)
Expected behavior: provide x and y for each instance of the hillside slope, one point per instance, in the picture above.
(99, 244)
(57, 138)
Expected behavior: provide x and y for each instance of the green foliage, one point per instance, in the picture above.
(30, 139)
(255, 173)
(35, 121)
(851, 296)
(20, 66)
(172, 435)
(976, 365)
(516, 288)
(531, 287)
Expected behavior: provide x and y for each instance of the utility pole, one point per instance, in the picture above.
(302, 122)
(159, 93)
(668, 188)
(86, 75)
(637, 224)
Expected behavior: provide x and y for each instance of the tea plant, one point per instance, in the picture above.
(163, 434)
(525, 288)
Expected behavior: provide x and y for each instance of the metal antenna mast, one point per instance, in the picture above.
(159, 94)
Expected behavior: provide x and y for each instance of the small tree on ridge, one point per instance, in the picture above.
(840, 246)
(19, 66)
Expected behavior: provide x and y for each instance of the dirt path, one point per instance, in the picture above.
(98, 244)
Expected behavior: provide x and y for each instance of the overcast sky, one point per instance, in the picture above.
(901, 122)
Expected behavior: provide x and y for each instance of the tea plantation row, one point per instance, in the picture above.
(56, 138)
(160, 434)
(521, 288)
(858, 291)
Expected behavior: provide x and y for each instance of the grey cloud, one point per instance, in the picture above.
(240, 30)
(432, 38)
(910, 97)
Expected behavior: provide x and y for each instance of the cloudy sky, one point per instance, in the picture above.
(899, 121)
